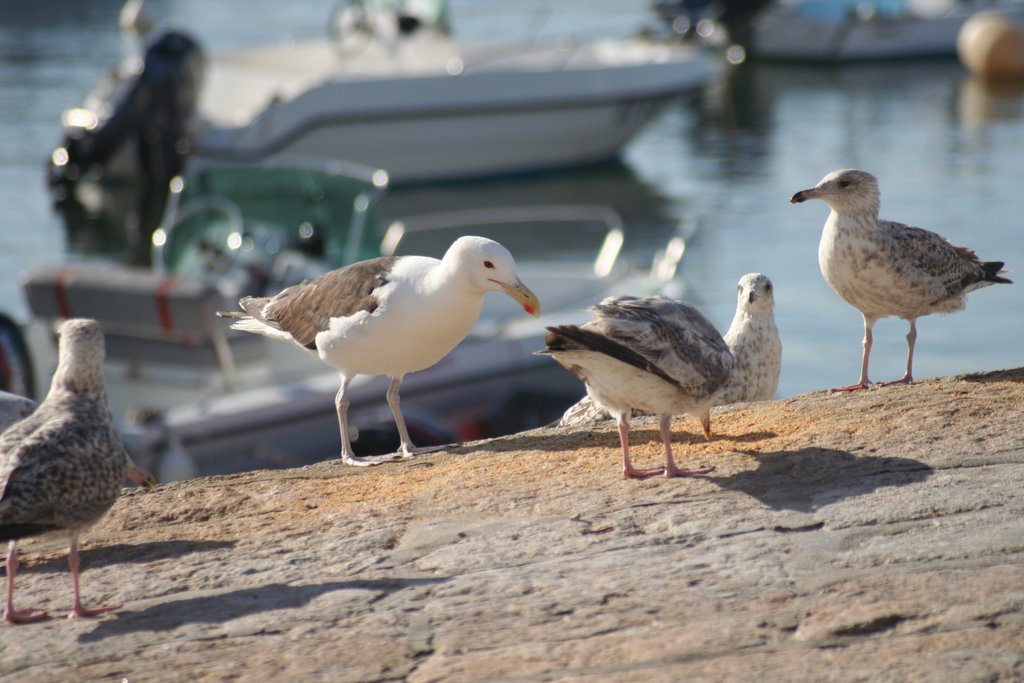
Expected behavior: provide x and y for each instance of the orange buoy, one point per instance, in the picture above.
(991, 46)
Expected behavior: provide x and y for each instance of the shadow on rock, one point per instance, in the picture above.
(540, 442)
(223, 607)
(608, 437)
(810, 478)
(1014, 375)
(697, 438)
(92, 558)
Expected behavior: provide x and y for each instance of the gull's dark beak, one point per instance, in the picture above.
(752, 297)
(804, 195)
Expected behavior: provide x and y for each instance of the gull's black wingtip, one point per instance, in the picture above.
(993, 271)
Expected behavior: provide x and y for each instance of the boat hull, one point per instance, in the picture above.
(547, 108)
(786, 34)
(464, 144)
(461, 398)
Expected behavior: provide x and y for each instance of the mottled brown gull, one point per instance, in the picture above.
(884, 269)
(387, 316)
(62, 467)
(754, 341)
(652, 354)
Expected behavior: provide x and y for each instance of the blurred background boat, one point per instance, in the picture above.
(832, 30)
(388, 87)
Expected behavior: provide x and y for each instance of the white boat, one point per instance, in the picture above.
(853, 30)
(419, 103)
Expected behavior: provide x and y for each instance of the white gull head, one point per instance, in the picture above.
(754, 295)
(847, 191)
(754, 341)
(489, 267)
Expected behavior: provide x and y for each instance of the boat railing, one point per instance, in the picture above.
(540, 232)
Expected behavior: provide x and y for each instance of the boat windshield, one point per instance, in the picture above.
(589, 234)
(223, 217)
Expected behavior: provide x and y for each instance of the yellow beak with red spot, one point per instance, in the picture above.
(522, 294)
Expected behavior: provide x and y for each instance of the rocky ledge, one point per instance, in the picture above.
(875, 536)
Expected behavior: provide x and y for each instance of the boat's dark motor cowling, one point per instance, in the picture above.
(154, 111)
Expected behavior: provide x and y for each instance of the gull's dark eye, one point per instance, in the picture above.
(844, 184)
(768, 287)
(488, 264)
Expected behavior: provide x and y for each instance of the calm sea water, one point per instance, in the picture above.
(948, 151)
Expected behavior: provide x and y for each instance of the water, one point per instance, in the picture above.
(949, 154)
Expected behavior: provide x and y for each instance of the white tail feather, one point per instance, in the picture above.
(258, 327)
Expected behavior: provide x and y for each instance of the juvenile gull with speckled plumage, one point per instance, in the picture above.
(653, 354)
(62, 467)
(387, 316)
(754, 341)
(756, 347)
(888, 269)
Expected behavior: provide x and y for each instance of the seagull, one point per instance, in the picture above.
(653, 354)
(754, 342)
(884, 269)
(62, 467)
(390, 315)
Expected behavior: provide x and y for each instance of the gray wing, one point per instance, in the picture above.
(573, 338)
(306, 309)
(672, 335)
(950, 268)
(12, 452)
(14, 408)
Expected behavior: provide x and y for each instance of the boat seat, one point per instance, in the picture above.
(145, 316)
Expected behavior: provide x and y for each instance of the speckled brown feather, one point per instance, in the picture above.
(957, 267)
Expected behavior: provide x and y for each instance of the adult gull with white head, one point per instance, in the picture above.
(390, 316)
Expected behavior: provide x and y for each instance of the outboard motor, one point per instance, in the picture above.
(153, 110)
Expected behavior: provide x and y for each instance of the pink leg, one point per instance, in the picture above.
(407, 449)
(908, 377)
(864, 382)
(77, 611)
(11, 615)
(628, 470)
(341, 406)
(670, 464)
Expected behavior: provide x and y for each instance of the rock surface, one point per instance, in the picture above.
(875, 536)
